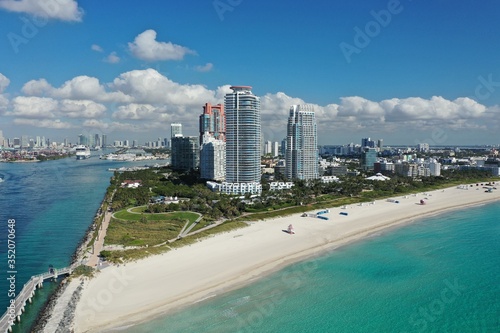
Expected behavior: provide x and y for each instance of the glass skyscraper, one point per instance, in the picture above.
(368, 158)
(302, 144)
(243, 132)
(185, 153)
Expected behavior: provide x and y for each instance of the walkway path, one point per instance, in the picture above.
(99, 241)
(26, 294)
(185, 231)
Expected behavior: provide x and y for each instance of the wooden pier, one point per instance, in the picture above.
(14, 312)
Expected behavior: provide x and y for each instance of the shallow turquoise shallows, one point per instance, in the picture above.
(439, 274)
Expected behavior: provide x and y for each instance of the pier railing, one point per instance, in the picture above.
(14, 313)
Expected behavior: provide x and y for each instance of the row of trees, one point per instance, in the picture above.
(196, 197)
(304, 193)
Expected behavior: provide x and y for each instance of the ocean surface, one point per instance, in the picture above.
(438, 274)
(53, 203)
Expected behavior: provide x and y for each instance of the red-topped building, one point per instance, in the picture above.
(213, 122)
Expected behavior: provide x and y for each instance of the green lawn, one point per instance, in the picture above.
(125, 215)
(130, 229)
(139, 209)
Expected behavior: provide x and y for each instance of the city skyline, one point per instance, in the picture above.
(406, 71)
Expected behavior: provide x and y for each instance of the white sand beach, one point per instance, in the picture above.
(131, 293)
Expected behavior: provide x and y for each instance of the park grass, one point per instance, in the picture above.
(129, 229)
(142, 233)
(139, 209)
(129, 255)
(83, 270)
(224, 227)
(125, 215)
(202, 224)
(132, 254)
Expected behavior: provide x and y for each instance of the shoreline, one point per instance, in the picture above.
(259, 250)
(46, 318)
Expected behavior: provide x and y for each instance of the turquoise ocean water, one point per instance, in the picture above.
(438, 274)
(53, 204)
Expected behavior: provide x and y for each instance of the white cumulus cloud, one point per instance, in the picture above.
(138, 111)
(356, 113)
(64, 10)
(33, 107)
(146, 47)
(4, 101)
(148, 101)
(360, 108)
(81, 108)
(205, 68)
(44, 123)
(37, 88)
(4, 82)
(112, 58)
(96, 124)
(96, 48)
(150, 87)
(275, 111)
(79, 88)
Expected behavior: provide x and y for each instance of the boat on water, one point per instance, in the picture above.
(82, 152)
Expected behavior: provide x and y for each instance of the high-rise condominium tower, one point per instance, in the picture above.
(213, 122)
(185, 153)
(212, 142)
(242, 135)
(302, 144)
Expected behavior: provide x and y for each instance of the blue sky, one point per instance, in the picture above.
(398, 70)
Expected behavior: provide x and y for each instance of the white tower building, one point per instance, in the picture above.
(243, 136)
(302, 144)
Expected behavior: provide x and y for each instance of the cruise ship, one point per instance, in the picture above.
(82, 152)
